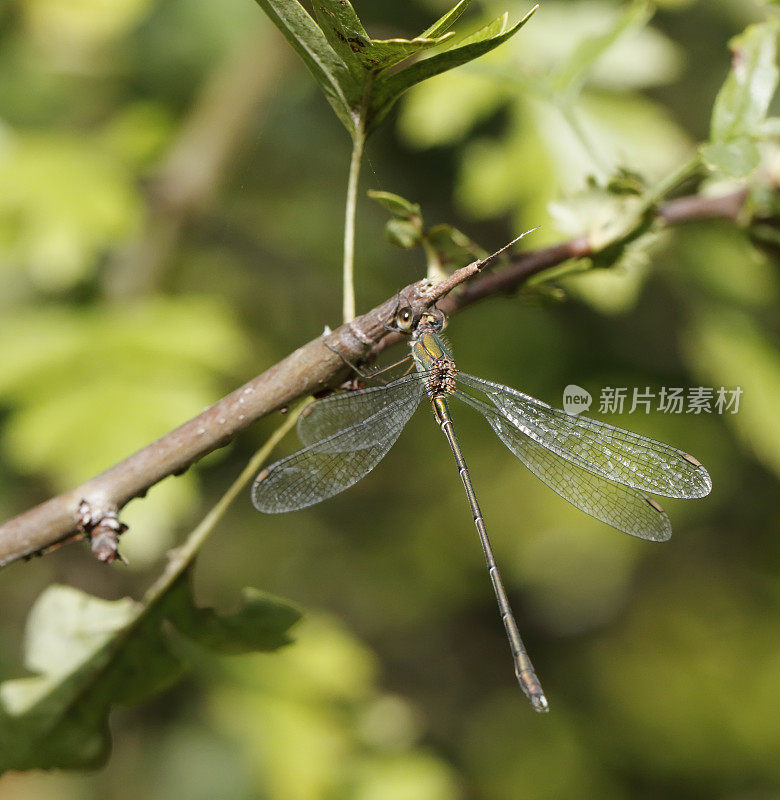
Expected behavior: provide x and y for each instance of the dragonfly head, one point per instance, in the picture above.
(414, 322)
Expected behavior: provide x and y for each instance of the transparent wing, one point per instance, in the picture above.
(371, 422)
(619, 506)
(338, 411)
(597, 447)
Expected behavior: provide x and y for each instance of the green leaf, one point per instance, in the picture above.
(446, 248)
(395, 204)
(92, 654)
(445, 22)
(341, 89)
(403, 233)
(604, 217)
(405, 229)
(742, 103)
(390, 88)
(732, 159)
(739, 115)
(452, 247)
(362, 54)
(352, 68)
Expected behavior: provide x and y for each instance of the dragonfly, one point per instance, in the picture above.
(603, 470)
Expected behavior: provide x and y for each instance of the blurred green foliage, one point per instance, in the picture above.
(124, 310)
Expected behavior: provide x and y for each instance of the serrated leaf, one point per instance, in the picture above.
(742, 103)
(362, 54)
(341, 89)
(396, 205)
(93, 654)
(352, 68)
(390, 88)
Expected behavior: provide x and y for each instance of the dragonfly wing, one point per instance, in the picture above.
(349, 409)
(599, 448)
(326, 467)
(619, 506)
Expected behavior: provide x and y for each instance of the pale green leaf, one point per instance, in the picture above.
(494, 28)
(733, 159)
(540, 156)
(91, 655)
(742, 103)
(395, 204)
(403, 233)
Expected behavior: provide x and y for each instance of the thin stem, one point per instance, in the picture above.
(673, 179)
(435, 272)
(182, 556)
(358, 141)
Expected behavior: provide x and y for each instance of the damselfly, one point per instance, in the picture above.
(601, 469)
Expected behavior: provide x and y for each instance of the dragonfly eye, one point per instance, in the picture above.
(404, 319)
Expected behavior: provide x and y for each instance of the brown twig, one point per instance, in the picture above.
(312, 368)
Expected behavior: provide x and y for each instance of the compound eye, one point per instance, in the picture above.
(404, 319)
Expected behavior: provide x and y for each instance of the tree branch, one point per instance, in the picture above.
(313, 368)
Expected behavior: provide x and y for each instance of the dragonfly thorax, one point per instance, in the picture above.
(441, 377)
(432, 357)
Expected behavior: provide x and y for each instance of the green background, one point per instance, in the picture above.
(142, 277)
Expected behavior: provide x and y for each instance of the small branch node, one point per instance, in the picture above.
(103, 528)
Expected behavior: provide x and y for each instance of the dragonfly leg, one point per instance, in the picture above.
(373, 373)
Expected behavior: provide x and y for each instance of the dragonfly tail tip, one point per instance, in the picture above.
(539, 702)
